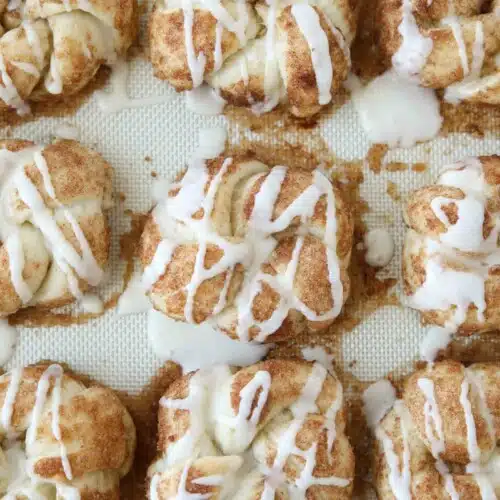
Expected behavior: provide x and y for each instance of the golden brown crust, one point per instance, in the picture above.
(466, 410)
(54, 49)
(444, 65)
(317, 436)
(82, 184)
(307, 242)
(235, 66)
(97, 432)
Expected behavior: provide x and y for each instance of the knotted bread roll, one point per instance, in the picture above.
(255, 54)
(260, 252)
(440, 440)
(53, 224)
(61, 438)
(50, 48)
(273, 430)
(445, 44)
(451, 253)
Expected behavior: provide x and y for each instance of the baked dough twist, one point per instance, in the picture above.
(255, 53)
(262, 253)
(273, 430)
(445, 44)
(440, 440)
(451, 253)
(54, 48)
(61, 438)
(53, 226)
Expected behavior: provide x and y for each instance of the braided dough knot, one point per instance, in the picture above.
(263, 253)
(255, 53)
(445, 44)
(451, 253)
(50, 48)
(272, 430)
(59, 437)
(440, 440)
(53, 226)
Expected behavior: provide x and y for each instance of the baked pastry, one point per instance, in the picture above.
(256, 54)
(59, 437)
(55, 48)
(440, 439)
(53, 223)
(273, 430)
(260, 252)
(445, 44)
(451, 252)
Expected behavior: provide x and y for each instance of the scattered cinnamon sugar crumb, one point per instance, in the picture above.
(122, 197)
(419, 168)
(154, 174)
(396, 166)
(393, 191)
(375, 157)
(148, 159)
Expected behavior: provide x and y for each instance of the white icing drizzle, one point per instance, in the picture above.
(308, 21)
(478, 51)
(432, 417)
(174, 217)
(455, 92)
(9, 93)
(183, 206)
(64, 253)
(28, 68)
(9, 401)
(118, 99)
(271, 97)
(286, 446)
(472, 446)
(246, 416)
(445, 287)
(53, 80)
(34, 42)
(436, 436)
(219, 29)
(52, 372)
(15, 252)
(195, 62)
(8, 338)
(399, 474)
(262, 222)
(182, 493)
(456, 28)
(415, 48)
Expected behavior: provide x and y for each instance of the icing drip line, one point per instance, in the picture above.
(118, 99)
(196, 63)
(436, 435)
(271, 97)
(54, 372)
(400, 475)
(415, 48)
(9, 401)
(64, 253)
(309, 24)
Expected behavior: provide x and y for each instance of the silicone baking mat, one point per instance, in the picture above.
(114, 349)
